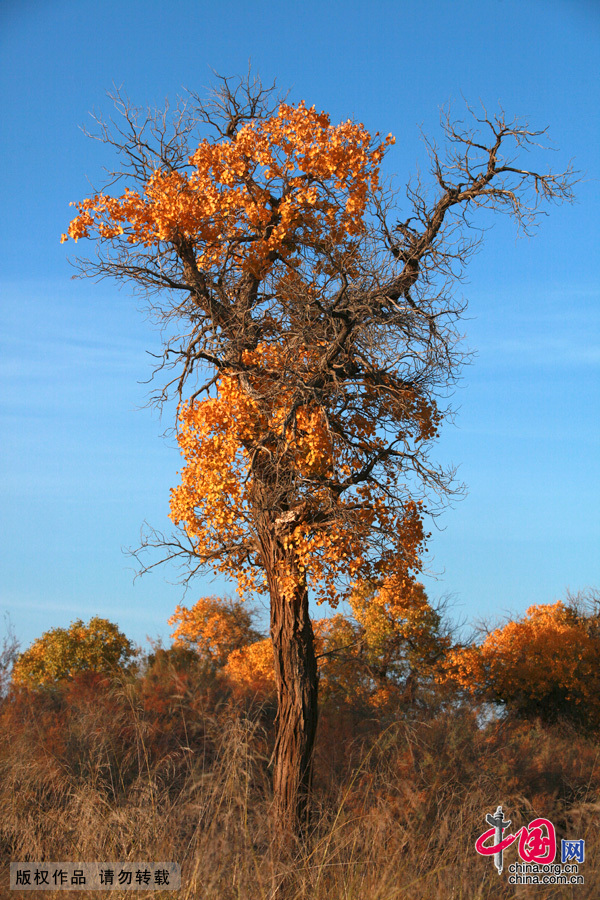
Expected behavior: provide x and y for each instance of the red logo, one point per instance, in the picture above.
(534, 845)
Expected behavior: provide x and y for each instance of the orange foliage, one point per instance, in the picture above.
(214, 627)
(314, 341)
(396, 614)
(392, 640)
(546, 664)
(228, 192)
(214, 500)
(282, 201)
(251, 669)
(221, 633)
(364, 658)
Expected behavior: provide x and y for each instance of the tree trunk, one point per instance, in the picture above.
(297, 694)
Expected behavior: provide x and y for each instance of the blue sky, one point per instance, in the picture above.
(83, 463)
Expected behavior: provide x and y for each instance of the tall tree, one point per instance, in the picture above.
(313, 339)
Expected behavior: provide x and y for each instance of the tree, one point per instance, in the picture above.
(313, 342)
(61, 653)
(214, 628)
(399, 641)
(544, 665)
(391, 639)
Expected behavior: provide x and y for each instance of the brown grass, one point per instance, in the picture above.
(167, 767)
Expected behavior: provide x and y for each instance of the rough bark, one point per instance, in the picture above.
(297, 693)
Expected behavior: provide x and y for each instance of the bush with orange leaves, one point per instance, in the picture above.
(545, 665)
(392, 640)
(214, 628)
(250, 670)
(222, 634)
(387, 650)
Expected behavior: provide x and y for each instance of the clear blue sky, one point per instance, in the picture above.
(83, 464)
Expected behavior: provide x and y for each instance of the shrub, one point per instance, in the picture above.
(545, 665)
(214, 628)
(61, 653)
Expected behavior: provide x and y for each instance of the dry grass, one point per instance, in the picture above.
(166, 767)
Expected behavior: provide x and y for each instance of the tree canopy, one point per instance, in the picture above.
(62, 653)
(545, 664)
(389, 644)
(214, 628)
